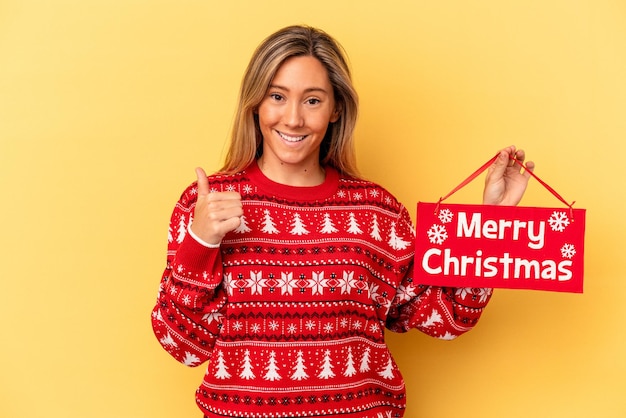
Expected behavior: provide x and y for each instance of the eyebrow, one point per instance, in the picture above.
(307, 90)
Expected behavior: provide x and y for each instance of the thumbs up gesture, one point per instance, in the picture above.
(216, 213)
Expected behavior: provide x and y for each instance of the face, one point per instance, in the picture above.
(294, 115)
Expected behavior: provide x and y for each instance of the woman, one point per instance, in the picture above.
(286, 267)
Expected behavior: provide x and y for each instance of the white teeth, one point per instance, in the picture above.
(291, 138)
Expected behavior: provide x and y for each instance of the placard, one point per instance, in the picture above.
(511, 247)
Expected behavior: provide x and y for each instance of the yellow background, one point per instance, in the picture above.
(107, 106)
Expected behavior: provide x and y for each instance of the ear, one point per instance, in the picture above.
(334, 117)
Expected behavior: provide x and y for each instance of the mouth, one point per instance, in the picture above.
(290, 138)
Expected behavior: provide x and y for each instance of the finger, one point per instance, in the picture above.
(225, 209)
(219, 196)
(203, 182)
(514, 155)
(231, 223)
(519, 156)
(500, 165)
(530, 167)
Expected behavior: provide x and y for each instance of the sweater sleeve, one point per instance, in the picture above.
(187, 316)
(441, 312)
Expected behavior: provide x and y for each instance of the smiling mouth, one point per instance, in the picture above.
(289, 138)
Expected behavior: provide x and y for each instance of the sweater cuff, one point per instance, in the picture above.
(200, 240)
(195, 260)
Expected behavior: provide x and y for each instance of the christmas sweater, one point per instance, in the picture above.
(290, 310)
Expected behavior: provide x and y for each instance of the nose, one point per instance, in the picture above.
(293, 116)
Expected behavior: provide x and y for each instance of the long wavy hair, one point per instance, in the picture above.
(337, 148)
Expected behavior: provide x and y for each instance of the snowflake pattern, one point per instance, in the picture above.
(445, 216)
(437, 234)
(406, 292)
(568, 251)
(374, 328)
(273, 325)
(558, 221)
(213, 316)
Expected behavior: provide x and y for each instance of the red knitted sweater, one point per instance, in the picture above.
(291, 309)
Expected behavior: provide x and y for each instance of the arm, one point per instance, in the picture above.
(445, 312)
(186, 319)
(441, 312)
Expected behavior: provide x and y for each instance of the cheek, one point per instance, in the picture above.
(266, 116)
(320, 122)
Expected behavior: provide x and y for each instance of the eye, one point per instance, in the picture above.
(275, 96)
(313, 101)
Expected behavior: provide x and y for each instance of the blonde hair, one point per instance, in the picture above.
(337, 149)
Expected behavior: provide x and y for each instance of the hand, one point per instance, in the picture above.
(216, 213)
(506, 183)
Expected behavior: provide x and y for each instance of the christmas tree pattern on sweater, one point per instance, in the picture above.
(290, 311)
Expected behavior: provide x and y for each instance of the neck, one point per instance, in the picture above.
(293, 175)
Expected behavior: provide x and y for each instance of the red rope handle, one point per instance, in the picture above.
(487, 165)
